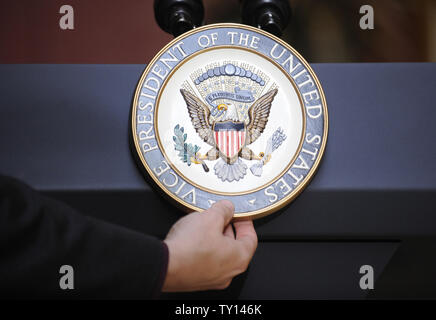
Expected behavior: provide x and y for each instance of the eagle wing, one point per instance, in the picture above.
(258, 115)
(199, 113)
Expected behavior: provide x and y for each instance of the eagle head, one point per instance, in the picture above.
(230, 112)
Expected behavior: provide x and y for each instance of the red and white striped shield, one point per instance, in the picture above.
(229, 137)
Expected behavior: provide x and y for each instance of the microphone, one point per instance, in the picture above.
(178, 16)
(269, 15)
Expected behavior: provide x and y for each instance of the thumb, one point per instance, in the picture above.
(246, 236)
(223, 211)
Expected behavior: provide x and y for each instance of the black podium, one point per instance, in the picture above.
(372, 201)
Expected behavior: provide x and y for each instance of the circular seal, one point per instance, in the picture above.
(228, 111)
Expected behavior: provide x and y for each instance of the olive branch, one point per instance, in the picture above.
(187, 151)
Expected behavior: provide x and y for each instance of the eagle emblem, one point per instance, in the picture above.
(230, 135)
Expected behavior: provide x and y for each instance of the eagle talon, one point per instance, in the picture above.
(268, 158)
(198, 159)
(194, 160)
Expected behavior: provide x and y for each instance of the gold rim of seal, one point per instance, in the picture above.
(245, 215)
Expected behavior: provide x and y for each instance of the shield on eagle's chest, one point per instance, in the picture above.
(229, 137)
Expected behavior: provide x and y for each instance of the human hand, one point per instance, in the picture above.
(204, 253)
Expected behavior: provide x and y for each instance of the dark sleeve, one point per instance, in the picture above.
(38, 235)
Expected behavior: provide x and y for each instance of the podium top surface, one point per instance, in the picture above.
(65, 127)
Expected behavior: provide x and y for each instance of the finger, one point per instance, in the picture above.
(224, 285)
(228, 231)
(223, 211)
(246, 236)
